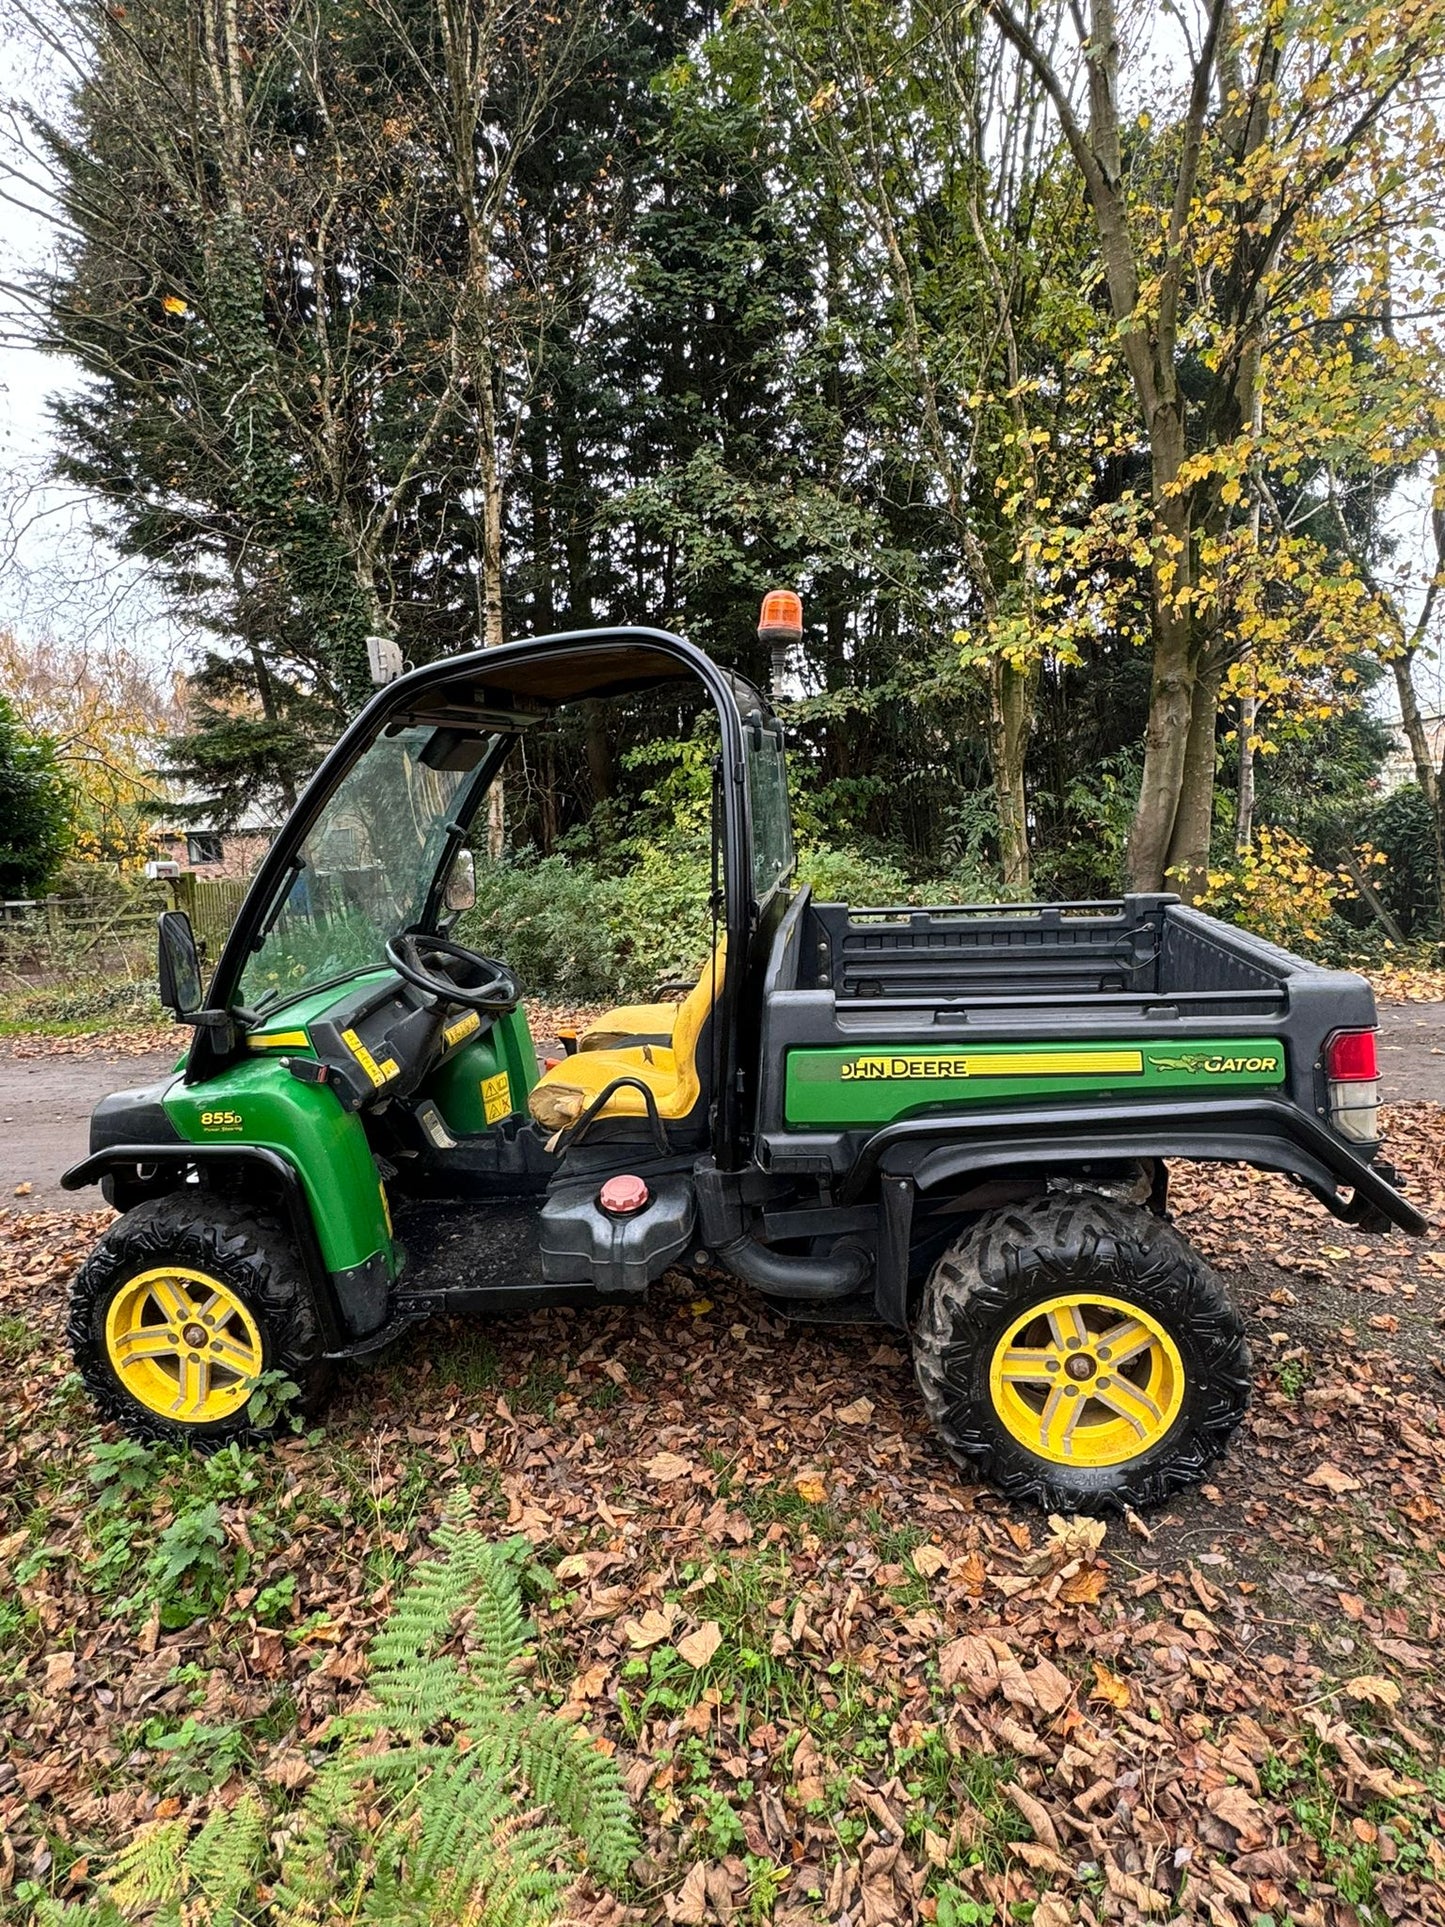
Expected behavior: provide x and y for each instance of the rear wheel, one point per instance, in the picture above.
(1078, 1353)
(185, 1305)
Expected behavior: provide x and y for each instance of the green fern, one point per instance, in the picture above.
(451, 1797)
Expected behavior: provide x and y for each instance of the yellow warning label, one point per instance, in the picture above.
(497, 1097)
(463, 1027)
(378, 1073)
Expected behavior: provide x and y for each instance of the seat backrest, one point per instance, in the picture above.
(691, 1022)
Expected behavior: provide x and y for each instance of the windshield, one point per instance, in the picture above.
(362, 873)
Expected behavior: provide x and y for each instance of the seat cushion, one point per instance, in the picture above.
(562, 1093)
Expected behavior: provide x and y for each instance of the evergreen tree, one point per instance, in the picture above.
(34, 817)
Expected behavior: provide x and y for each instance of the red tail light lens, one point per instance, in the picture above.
(1350, 1057)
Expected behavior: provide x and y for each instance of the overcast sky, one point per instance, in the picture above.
(58, 577)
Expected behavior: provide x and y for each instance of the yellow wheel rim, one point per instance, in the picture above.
(1087, 1380)
(182, 1344)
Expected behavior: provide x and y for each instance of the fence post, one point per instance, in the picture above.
(52, 916)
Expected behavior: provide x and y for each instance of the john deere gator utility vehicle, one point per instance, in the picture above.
(955, 1121)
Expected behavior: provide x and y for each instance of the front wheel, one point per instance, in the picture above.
(185, 1305)
(1076, 1352)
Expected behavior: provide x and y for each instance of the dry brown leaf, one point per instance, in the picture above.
(810, 1487)
(1051, 1689)
(858, 1413)
(1085, 1587)
(1053, 1911)
(663, 1467)
(691, 1904)
(59, 1672)
(1040, 1858)
(290, 1769)
(1109, 1687)
(592, 1683)
(1376, 1691)
(1332, 1479)
(1034, 1813)
(807, 1770)
(1139, 1893)
(1237, 1809)
(1076, 1538)
(927, 1560)
(698, 1648)
(970, 1657)
(653, 1627)
(969, 1572)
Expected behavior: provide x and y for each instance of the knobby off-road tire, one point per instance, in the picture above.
(233, 1273)
(1025, 1295)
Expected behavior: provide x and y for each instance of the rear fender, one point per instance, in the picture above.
(1275, 1136)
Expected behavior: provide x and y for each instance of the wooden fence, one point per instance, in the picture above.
(31, 925)
(211, 904)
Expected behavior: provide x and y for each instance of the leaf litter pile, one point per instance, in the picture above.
(839, 1683)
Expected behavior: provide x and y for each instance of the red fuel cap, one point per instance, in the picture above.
(623, 1195)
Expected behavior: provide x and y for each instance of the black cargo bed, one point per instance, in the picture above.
(1140, 948)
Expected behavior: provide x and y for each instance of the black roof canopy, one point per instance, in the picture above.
(518, 684)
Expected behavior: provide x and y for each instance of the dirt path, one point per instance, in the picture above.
(45, 1106)
(1412, 1053)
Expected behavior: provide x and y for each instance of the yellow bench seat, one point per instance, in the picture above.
(672, 1068)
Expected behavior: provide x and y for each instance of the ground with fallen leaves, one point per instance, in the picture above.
(842, 1685)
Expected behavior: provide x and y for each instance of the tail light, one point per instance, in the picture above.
(1353, 1070)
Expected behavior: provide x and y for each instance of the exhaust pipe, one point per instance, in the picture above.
(809, 1280)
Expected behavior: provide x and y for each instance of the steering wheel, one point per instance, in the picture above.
(497, 994)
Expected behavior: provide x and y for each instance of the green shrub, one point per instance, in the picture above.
(664, 933)
(97, 1000)
(1402, 830)
(554, 921)
(34, 810)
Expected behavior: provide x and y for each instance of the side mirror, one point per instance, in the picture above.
(461, 890)
(178, 967)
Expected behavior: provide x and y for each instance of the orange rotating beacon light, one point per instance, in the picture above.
(781, 626)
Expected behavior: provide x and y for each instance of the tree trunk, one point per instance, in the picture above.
(1171, 683)
(1166, 742)
(1187, 868)
(1244, 800)
(1010, 693)
(1430, 779)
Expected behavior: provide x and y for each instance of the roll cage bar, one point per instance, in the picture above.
(548, 671)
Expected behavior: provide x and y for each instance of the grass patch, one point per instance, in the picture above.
(75, 1006)
(18, 1339)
